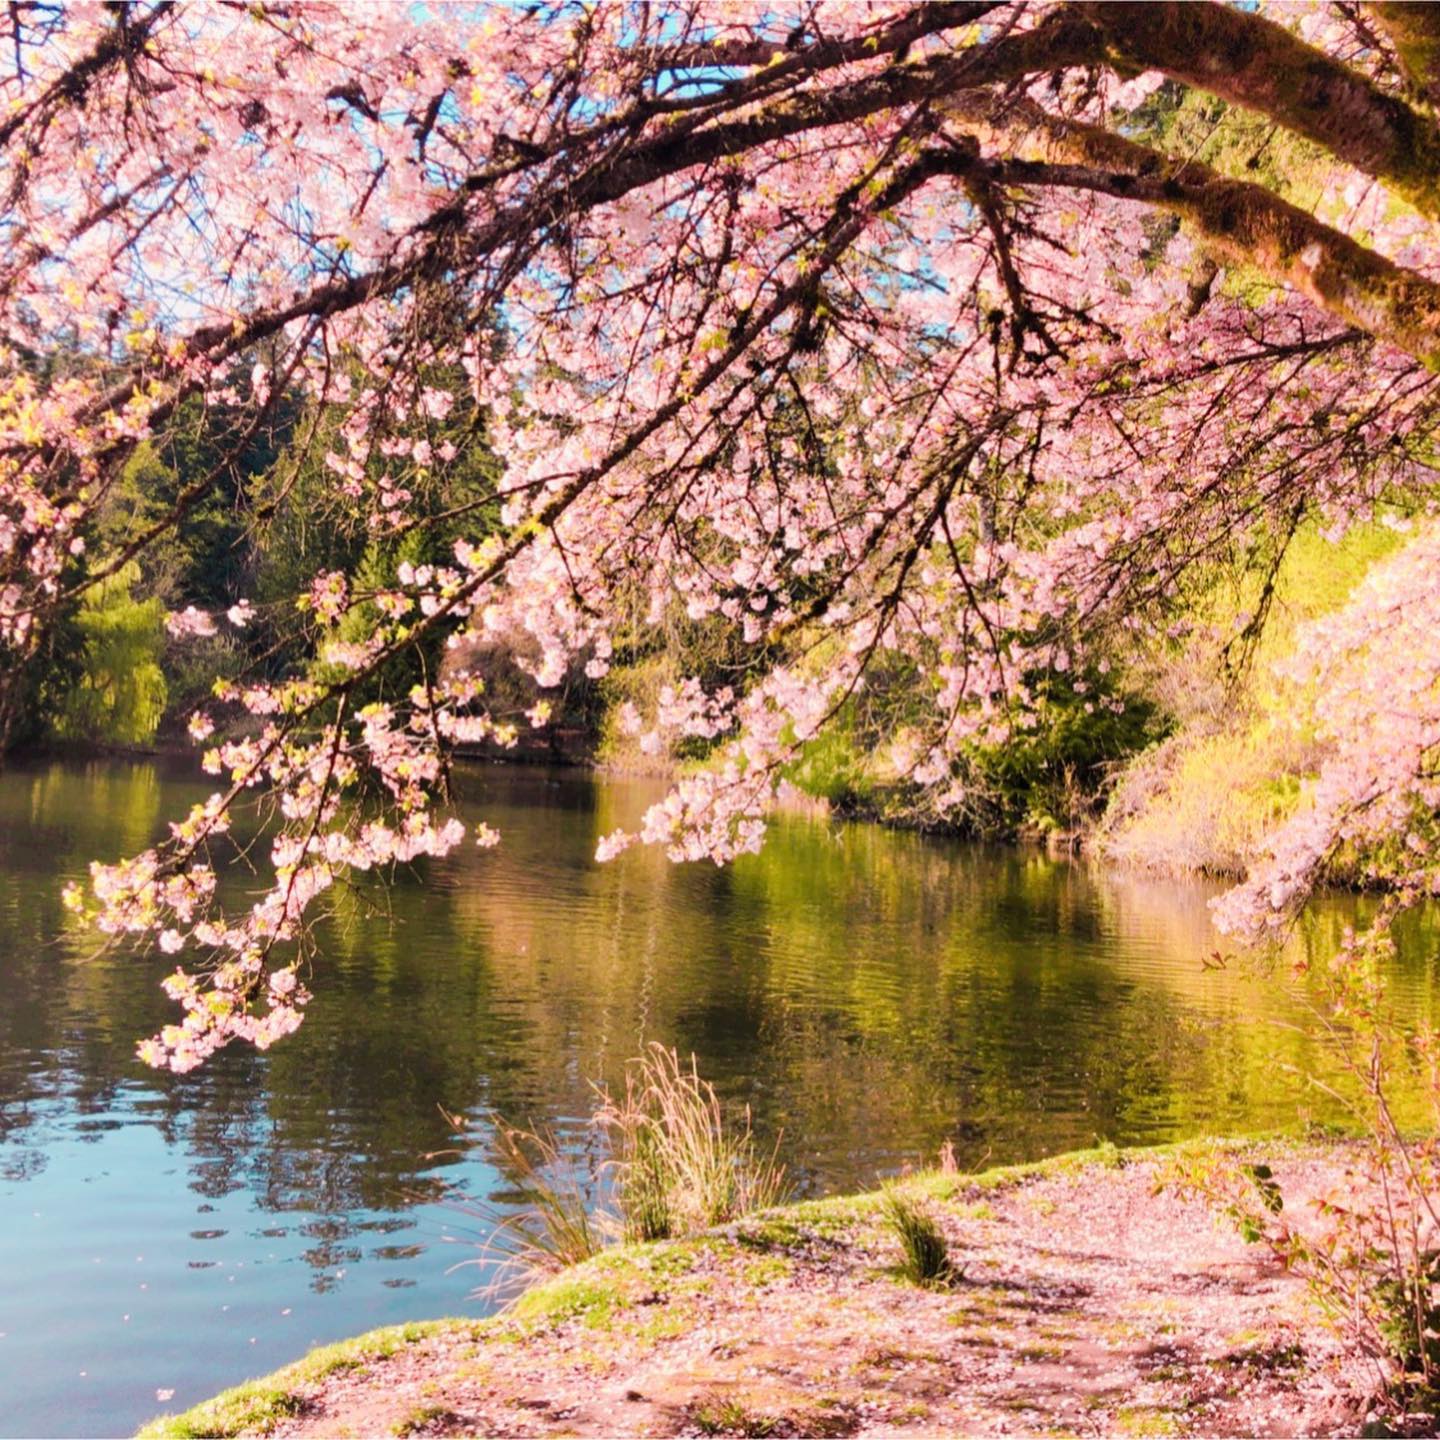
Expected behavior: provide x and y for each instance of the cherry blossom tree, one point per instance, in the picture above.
(881, 332)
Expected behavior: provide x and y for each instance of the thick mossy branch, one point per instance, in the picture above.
(1255, 63)
(1238, 220)
(1414, 30)
(1248, 225)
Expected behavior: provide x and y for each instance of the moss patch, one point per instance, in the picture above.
(569, 1298)
(258, 1404)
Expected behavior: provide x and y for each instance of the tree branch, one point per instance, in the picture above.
(1244, 222)
(1255, 63)
(1414, 31)
(922, 20)
(1249, 225)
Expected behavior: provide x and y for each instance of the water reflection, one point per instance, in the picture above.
(868, 994)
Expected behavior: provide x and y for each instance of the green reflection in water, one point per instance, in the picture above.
(868, 993)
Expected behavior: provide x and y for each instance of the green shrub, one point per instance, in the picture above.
(121, 692)
(836, 767)
(1052, 774)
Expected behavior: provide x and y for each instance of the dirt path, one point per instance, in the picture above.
(1088, 1305)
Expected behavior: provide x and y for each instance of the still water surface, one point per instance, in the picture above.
(868, 994)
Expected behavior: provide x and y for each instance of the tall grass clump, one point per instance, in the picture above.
(561, 1225)
(678, 1166)
(558, 1220)
(925, 1256)
(672, 1165)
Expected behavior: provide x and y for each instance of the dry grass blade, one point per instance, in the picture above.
(561, 1223)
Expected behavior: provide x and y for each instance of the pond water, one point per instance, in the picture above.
(869, 994)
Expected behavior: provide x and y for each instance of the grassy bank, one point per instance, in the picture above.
(1080, 1296)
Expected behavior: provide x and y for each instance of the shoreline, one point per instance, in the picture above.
(791, 801)
(1088, 1300)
